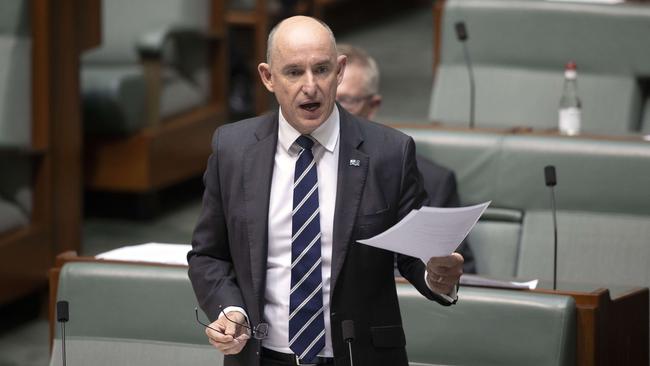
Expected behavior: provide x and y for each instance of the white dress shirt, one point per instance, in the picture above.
(278, 268)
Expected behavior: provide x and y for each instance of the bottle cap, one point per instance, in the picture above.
(571, 65)
(570, 70)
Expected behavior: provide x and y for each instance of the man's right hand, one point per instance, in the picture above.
(231, 337)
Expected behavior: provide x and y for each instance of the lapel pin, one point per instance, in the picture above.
(355, 162)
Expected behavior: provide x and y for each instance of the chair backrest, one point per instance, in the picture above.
(125, 22)
(602, 200)
(519, 49)
(490, 327)
(131, 314)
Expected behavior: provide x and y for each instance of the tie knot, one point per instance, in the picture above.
(305, 142)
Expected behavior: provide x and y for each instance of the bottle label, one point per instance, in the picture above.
(569, 121)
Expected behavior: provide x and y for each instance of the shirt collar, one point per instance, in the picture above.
(327, 134)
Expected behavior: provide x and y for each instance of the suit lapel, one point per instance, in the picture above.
(351, 180)
(258, 171)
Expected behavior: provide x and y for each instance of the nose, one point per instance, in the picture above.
(309, 85)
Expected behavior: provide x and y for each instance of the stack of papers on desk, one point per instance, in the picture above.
(150, 252)
(479, 281)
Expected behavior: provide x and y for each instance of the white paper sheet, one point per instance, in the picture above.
(150, 252)
(475, 280)
(429, 231)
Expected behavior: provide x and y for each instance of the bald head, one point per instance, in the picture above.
(303, 71)
(298, 28)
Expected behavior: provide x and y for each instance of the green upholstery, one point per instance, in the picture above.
(608, 249)
(519, 49)
(602, 199)
(122, 314)
(113, 83)
(490, 327)
(128, 314)
(15, 114)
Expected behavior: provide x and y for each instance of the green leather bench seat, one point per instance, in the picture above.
(602, 199)
(122, 314)
(519, 49)
(113, 81)
(490, 327)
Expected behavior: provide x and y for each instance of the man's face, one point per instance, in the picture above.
(304, 73)
(353, 93)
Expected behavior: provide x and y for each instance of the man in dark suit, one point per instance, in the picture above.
(286, 197)
(359, 94)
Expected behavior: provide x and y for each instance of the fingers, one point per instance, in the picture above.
(451, 261)
(230, 348)
(443, 273)
(226, 336)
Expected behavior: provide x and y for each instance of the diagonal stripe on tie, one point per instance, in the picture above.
(306, 318)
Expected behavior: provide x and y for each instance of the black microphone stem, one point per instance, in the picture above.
(63, 342)
(554, 239)
(472, 87)
(350, 349)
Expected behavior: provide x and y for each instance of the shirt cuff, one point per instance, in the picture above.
(234, 308)
(452, 297)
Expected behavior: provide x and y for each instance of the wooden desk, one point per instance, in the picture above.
(612, 323)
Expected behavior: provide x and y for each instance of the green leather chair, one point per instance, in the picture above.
(602, 201)
(114, 76)
(123, 314)
(519, 49)
(490, 327)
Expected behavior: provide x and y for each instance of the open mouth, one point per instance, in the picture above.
(310, 107)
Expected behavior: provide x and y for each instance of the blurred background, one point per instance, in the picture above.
(107, 108)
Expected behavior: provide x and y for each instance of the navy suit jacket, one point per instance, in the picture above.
(227, 263)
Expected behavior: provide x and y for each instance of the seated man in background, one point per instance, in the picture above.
(359, 94)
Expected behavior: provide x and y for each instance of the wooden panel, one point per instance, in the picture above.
(154, 158)
(24, 262)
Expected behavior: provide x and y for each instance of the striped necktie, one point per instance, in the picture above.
(306, 319)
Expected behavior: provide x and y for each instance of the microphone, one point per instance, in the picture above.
(62, 316)
(551, 181)
(347, 328)
(461, 34)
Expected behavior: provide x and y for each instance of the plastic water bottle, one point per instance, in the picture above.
(570, 110)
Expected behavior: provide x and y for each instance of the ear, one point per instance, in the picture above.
(341, 61)
(373, 105)
(265, 74)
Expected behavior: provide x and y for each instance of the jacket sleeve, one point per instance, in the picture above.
(211, 269)
(413, 196)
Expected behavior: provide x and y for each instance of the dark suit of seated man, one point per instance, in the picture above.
(359, 94)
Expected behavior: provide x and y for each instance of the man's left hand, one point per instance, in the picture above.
(443, 273)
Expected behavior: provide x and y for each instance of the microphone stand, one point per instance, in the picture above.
(554, 238)
(461, 34)
(551, 181)
(62, 316)
(472, 87)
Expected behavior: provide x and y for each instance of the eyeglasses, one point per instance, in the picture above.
(260, 331)
(350, 101)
